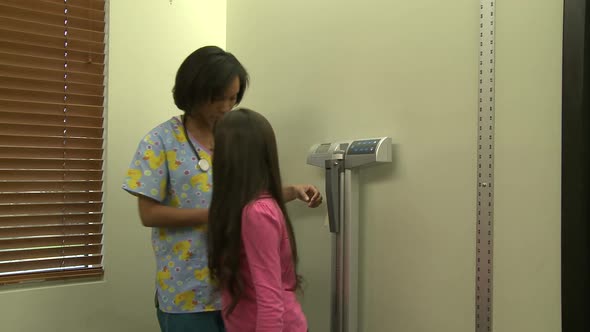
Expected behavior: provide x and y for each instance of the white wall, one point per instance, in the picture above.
(324, 70)
(148, 41)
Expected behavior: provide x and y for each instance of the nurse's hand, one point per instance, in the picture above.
(307, 193)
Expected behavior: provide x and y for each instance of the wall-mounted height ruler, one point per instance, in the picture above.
(485, 169)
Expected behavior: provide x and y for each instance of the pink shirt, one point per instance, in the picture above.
(269, 303)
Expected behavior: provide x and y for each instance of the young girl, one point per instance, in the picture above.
(251, 244)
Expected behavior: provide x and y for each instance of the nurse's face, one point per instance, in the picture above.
(218, 106)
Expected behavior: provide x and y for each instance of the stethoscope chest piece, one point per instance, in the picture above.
(204, 165)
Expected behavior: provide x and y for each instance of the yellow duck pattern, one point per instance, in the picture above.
(173, 163)
(182, 249)
(186, 299)
(133, 177)
(163, 276)
(202, 274)
(154, 160)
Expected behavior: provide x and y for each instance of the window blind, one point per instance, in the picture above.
(52, 59)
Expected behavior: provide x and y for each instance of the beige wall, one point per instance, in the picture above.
(148, 40)
(329, 69)
(528, 166)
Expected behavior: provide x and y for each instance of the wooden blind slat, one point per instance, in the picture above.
(50, 75)
(52, 131)
(49, 186)
(55, 8)
(51, 220)
(57, 131)
(65, 197)
(50, 30)
(57, 164)
(41, 119)
(36, 55)
(21, 60)
(93, 4)
(93, 249)
(20, 232)
(50, 241)
(70, 274)
(57, 153)
(31, 107)
(43, 175)
(50, 86)
(49, 263)
(50, 97)
(27, 209)
(49, 41)
(49, 18)
(51, 142)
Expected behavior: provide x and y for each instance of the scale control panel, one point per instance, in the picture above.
(363, 147)
(355, 153)
(368, 151)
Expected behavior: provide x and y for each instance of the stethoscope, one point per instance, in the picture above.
(202, 163)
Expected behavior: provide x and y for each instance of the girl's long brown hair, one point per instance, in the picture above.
(245, 164)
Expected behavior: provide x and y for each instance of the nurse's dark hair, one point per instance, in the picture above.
(245, 165)
(205, 75)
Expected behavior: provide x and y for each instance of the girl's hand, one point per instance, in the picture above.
(309, 194)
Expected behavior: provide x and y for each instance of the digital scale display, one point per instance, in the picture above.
(368, 146)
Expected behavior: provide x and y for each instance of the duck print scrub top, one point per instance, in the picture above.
(165, 169)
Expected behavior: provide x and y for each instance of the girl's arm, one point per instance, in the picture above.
(154, 214)
(261, 237)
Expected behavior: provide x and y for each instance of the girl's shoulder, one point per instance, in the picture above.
(263, 206)
(263, 202)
